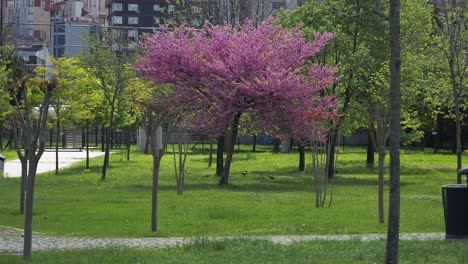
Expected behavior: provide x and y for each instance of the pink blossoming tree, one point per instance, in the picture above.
(226, 74)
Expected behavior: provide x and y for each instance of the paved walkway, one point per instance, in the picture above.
(11, 240)
(47, 162)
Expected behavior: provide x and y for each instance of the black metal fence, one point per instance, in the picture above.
(74, 139)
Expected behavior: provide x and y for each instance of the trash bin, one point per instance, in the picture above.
(455, 202)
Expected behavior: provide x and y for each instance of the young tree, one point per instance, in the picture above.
(393, 231)
(83, 97)
(5, 106)
(451, 18)
(227, 73)
(179, 154)
(16, 71)
(107, 58)
(158, 106)
(32, 99)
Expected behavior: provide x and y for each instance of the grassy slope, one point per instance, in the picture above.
(239, 251)
(77, 203)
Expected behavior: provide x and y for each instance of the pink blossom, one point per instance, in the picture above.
(262, 72)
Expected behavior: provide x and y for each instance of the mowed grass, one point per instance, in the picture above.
(246, 251)
(272, 199)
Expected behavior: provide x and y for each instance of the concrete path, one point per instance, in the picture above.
(11, 240)
(47, 162)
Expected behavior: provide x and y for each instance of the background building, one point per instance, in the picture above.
(69, 21)
(138, 16)
(28, 21)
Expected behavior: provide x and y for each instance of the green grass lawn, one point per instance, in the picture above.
(9, 154)
(77, 203)
(244, 251)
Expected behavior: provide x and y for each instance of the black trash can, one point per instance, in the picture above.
(455, 201)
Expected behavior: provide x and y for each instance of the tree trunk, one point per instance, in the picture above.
(219, 155)
(103, 138)
(230, 151)
(276, 145)
(87, 146)
(1, 138)
(96, 136)
(210, 158)
(394, 136)
(146, 147)
(27, 250)
(381, 186)
(106, 153)
(301, 149)
(370, 150)
(458, 142)
(154, 196)
(438, 137)
(254, 143)
(181, 178)
(57, 138)
(128, 143)
(11, 137)
(331, 156)
(24, 177)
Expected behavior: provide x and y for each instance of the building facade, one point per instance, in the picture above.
(139, 16)
(28, 21)
(70, 21)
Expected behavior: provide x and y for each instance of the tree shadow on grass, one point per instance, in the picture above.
(262, 183)
(349, 168)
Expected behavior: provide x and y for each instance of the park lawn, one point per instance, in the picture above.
(247, 251)
(77, 203)
(9, 154)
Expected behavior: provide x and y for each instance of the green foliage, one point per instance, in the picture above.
(81, 97)
(107, 58)
(360, 50)
(357, 50)
(4, 94)
(12, 69)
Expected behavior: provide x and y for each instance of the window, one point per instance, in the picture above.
(195, 22)
(171, 8)
(59, 28)
(133, 7)
(170, 20)
(195, 9)
(32, 60)
(157, 20)
(133, 20)
(133, 33)
(157, 8)
(117, 7)
(59, 40)
(116, 20)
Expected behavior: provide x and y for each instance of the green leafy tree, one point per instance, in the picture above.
(158, 107)
(15, 74)
(107, 57)
(451, 19)
(356, 48)
(5, 106)
(32, 97)
(81, 96)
